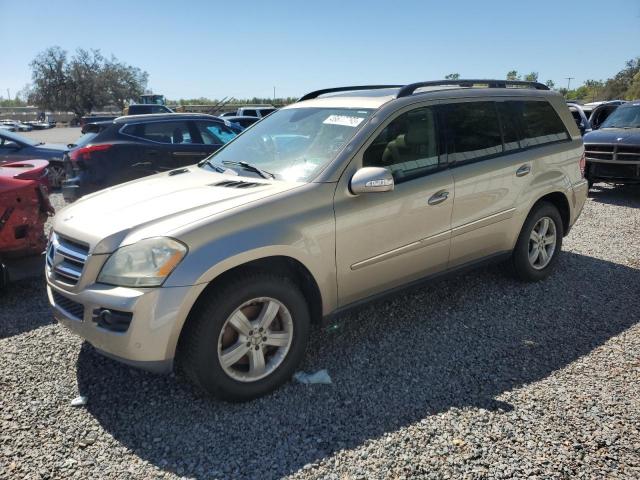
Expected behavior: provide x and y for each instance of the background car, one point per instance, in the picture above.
(243, 121)
(14, 147)
(579, 117)
(134, 146)
(613, 151)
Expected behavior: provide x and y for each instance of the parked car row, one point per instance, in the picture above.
(15, 126)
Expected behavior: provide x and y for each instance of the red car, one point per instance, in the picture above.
(24, 209)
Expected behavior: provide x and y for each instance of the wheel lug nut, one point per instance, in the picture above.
(257, 347)
(250, 332)
(261, 329)
(264, 339)
(248, 344)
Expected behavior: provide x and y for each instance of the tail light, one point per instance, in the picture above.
(84, 154)
(582, 164)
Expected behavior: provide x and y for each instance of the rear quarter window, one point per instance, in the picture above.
(540, 123)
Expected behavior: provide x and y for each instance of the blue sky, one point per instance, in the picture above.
(245, 48)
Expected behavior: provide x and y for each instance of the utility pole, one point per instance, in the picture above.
(274, 94)
(568, 79)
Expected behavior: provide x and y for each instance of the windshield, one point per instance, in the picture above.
(292, 144)
(625, 116)
(7, 137)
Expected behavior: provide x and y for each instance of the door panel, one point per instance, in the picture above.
(486, 195)
(384, 240)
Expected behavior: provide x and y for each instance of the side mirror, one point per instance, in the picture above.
(370, 180)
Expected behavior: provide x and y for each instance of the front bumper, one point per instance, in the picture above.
(613, 171)
(156, 318)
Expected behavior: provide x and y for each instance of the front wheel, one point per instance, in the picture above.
(247, 337)
(539, 243)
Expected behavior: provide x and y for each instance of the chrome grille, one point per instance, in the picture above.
(66, 259)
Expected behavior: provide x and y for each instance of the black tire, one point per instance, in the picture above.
(198, 350)
(522, 267)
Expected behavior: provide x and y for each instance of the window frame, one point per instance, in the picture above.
(442, 155)
(520, 123)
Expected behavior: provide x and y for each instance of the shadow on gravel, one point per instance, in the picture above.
(24, 307)
(619, 195)
(456, 343)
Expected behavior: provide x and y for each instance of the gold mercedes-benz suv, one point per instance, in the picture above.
(346, 195)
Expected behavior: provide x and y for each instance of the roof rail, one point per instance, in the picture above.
(317, 93)
(409, 89)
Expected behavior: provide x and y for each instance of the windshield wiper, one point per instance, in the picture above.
(217, 168)
(251, 168)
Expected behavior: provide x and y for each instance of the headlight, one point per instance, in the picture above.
(144, 264)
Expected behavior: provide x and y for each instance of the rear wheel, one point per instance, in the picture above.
(247, 337)
(539, 243)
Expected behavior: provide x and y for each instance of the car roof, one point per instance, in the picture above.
(374, 99)
(165, 116)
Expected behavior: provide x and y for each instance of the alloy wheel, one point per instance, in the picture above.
(255, 339)
(542, 243)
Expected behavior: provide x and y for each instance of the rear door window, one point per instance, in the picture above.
(472, 131)
(214, 133)
(174, 132)
(250, 113)
(540, 123)
(509, 121)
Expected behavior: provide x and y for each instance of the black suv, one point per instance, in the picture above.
(613, 151)
(131, 147)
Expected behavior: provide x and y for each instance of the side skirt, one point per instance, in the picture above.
(335, 316)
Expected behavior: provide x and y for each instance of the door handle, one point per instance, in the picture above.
(523, 170)
(438, 197)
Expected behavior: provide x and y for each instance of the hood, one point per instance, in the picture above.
(158, 205)
(619, 136)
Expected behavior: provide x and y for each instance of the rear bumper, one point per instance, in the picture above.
(580, 191)
(613, 171)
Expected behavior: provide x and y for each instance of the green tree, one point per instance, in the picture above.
(513, 75)
(531, 77)
(83, 82)
(551, 84)
(452, 76)
(633, 92)
(617, 86)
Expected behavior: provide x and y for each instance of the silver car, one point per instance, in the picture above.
(344, 196)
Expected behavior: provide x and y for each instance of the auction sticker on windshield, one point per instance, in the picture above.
(344, 120)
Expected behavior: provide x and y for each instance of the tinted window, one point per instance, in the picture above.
(214, 133)
(266, 111)
(250, 113)
(473, 131)
(407, 147)
(163, 132)
(540, 123)
(509, 121)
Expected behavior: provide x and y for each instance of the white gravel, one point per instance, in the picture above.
(473, 377)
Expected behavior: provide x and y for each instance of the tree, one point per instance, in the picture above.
(551, 84)
(452, 76)
(617, 86)
(84, 82)
(531, 77)
(513, 75)
(633, 92)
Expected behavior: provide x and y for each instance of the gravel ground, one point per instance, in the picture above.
(474, 377)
